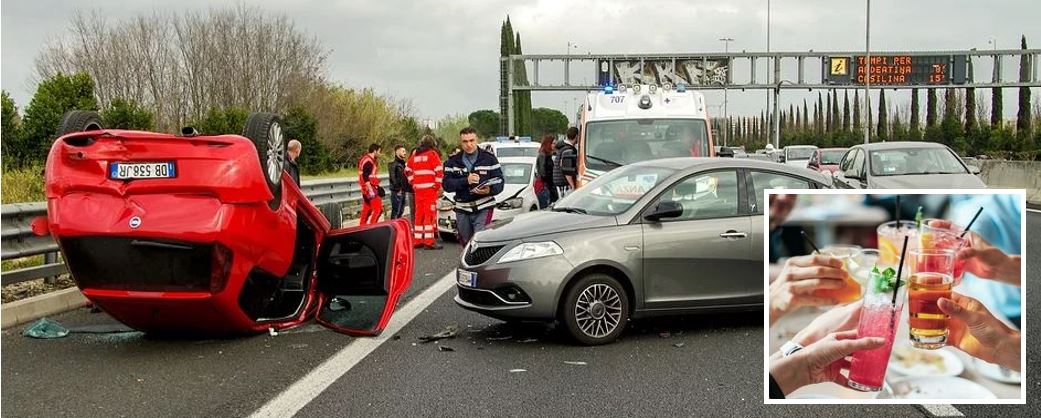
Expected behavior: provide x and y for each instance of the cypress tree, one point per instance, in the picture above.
(915, 132)
(857, 127)
(930, 109)
(970, 110)
(995, 108)
(883, 119)
(845, 112)
(805, 115)
(1023, 117)
(835, 119)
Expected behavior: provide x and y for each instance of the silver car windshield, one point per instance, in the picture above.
(614, 192)
(911, 161)
(801, 153)
(516, 173)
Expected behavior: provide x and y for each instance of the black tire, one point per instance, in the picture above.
(617, 307)
(265, 130)
(446, 237)
(334, 213)
(79, 121)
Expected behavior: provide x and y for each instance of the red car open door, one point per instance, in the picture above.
(362, 271)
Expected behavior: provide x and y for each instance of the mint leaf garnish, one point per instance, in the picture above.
(884, 281)
(918, 218)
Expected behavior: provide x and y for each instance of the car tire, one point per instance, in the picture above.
(79, 121)
(445, 236)
(334, 213)
(265, 131)
(606, 309)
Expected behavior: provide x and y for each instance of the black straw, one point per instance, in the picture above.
(900, 269)
(803, 232)
(898, 212)
(977, 215)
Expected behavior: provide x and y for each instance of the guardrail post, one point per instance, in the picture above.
(50, 258)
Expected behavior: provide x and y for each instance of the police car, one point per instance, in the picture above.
(517, 197)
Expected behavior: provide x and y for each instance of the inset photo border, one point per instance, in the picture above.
(818, 303)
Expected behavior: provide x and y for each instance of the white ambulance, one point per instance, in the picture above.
(627, 124)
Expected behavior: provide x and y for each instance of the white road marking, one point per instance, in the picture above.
(303, 391)
(943, 410)
(1033, 210)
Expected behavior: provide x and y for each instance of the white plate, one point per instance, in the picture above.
(939, 388)
(993, 372)
(951, 366)
(466, 278)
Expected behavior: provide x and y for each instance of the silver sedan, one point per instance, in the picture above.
(658, 237)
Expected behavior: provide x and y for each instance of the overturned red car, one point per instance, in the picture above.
(208, 235)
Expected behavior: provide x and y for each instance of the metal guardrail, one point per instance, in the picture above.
(20, 242)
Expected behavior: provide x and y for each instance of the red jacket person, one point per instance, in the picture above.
(425, 172)
(369, 184)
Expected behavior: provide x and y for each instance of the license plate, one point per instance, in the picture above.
(466, 278)
(125, 171)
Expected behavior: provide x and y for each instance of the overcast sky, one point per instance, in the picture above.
(443, 54)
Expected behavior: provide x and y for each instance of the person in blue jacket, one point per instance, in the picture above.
(474, 175)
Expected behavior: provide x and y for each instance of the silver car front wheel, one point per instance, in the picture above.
(596, 309)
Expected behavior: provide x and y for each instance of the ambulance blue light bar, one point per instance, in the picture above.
(608, 89)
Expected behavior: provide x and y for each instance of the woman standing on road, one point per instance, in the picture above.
(544, 172)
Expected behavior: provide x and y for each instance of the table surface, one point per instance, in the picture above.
(786, 327)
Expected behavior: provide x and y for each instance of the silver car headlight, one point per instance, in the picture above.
(531, 250)
(514, 203)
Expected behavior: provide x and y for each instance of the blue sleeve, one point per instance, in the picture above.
(453, 182)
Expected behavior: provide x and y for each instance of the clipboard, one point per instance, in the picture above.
(489, 182)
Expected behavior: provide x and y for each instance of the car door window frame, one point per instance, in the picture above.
(750, 187)
(742, 197)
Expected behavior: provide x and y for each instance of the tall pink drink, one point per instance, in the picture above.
(879, 317)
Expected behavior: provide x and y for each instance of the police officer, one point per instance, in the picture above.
(369, 184)
(425, 173)
(474, 175)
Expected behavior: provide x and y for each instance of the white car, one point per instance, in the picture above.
(504, 147)
(798, 155)
(517, 197)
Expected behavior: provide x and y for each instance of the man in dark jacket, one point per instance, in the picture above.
(292, 153)
(565, 163)
(474, 175)
(399, 185)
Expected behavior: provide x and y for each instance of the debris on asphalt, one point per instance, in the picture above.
(480, 348)
(664, 334)
(396, 337)
(499, 338)
(679, 345)
(449, 332)
(575, 363)
(298, 346)
(528, 340)
(271, 331)
(517, 370)
(445, 348)
(45, 328)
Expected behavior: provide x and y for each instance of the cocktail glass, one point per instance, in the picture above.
(944, 235)
(931, 280)
(878, 318)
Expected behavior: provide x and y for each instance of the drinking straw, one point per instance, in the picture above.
(977, 215)
(900, 269)
(804, 235)
(897, 212)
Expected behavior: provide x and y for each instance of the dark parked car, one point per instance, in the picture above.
(657, 237)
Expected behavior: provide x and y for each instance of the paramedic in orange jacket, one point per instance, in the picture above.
(424, 171)
(369, 183)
